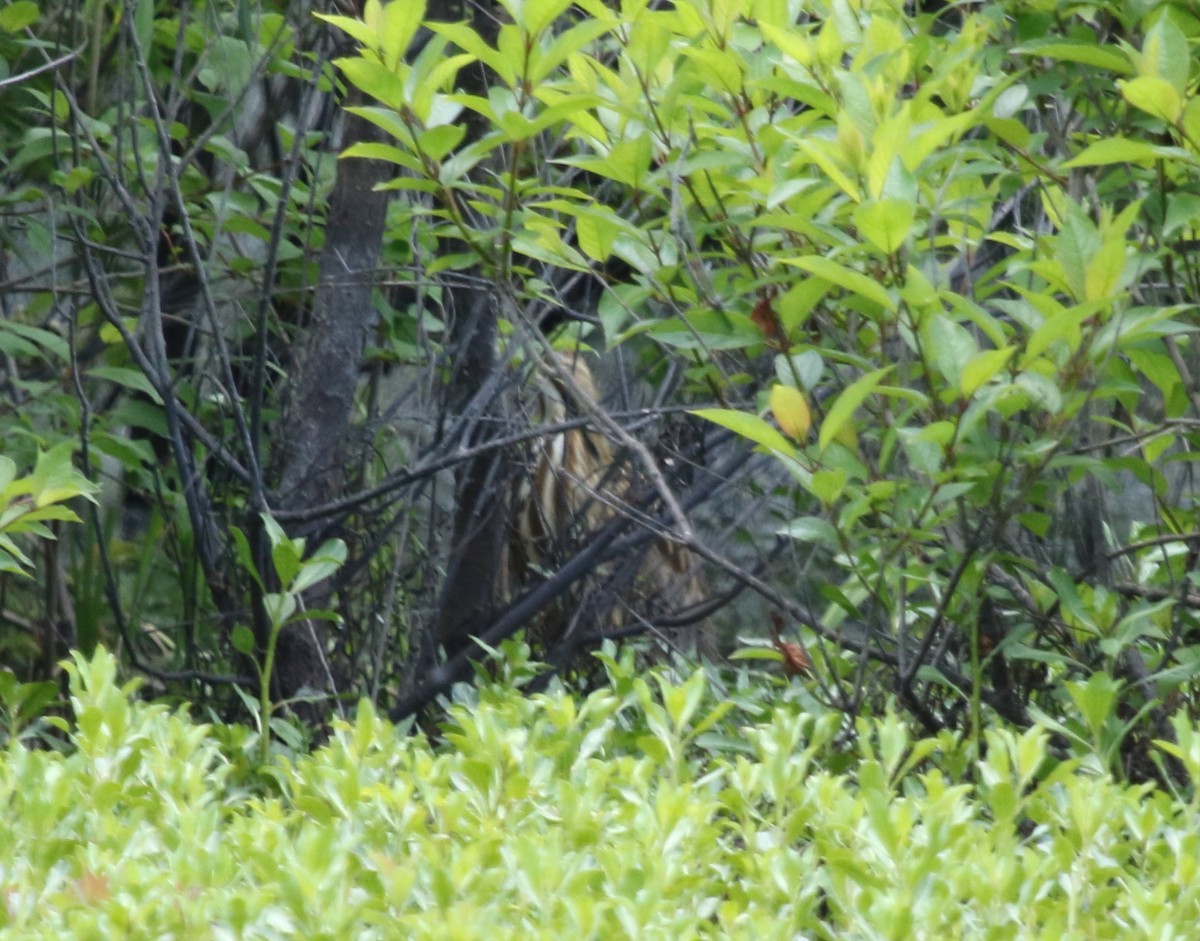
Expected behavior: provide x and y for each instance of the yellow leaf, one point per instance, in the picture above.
(791, 411)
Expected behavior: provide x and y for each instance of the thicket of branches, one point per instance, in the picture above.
(895, 307)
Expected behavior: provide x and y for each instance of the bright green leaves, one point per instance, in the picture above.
(626, 161)
(1154, 95)
(846, 278)
(1092, 257)
(28, 503)
(954, 349)
(475, 46)
(295, 573)
(18, 15)
(386, 29)
(885, 223)
(982, 368)
(936, 233)
(421, 111)
(656, 809)
(1161, 86)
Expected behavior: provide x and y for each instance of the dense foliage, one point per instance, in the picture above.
(896, 307)
(935, 265)
(635, 813)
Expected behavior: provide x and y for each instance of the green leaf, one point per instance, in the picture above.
(244, 555)
(1191, 120)
(473, 44)
(595, 235)
(627, 161)
(810, 529)
(48, 341)
(845, 278)
(846, 404)
(12, 559)
(885, 223)
(376, 80)
(1183, 212)
(718, 712)
(18, 15)
(981, 368)
(789, 41)
(750, 427)
(286, 552)
(323, 563)
(133, 379)
(8, 473)
(55, 479)
(369, 150)
(1165, 53)
(817, 151)
(682, 701)
(280, 606)
(1095, 700)
(539, 15)
(354, 28)
(438, 141)
(949, 345)
(143, 23)
(797, 303)
(827, 485)
(1077, 243)
(756, 653)
(566, 44)
(1108, 58)
(1114, 150)
(701, 329)
(400, 21)
(242, 639)
(804, 368)
(1155, 96)
(1010, 131)
(1063, 326)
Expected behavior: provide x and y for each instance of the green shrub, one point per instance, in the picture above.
(607, 818)
(955, 238)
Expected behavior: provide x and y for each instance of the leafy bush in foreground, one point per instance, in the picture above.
(606, 818)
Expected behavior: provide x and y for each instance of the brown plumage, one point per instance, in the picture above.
(573, 483)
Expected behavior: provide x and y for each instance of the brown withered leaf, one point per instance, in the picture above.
(767, 321)
(796, 661)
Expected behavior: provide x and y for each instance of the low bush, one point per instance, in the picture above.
(641, 811)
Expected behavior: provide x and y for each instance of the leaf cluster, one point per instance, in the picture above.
(553, 816)
(960, 243)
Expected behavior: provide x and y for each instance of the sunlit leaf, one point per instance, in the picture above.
(1156, 96)
(791, 411)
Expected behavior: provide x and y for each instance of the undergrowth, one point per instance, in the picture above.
(650, 809)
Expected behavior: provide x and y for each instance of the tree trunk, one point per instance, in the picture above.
(481, 518)
(316, 426)
(474, 569)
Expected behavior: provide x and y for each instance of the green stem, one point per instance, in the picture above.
(264, 696)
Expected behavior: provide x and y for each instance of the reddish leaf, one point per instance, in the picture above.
(767, 321)
(796, 661)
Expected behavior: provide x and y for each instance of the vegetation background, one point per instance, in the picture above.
(892, 312)
(891, 306)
